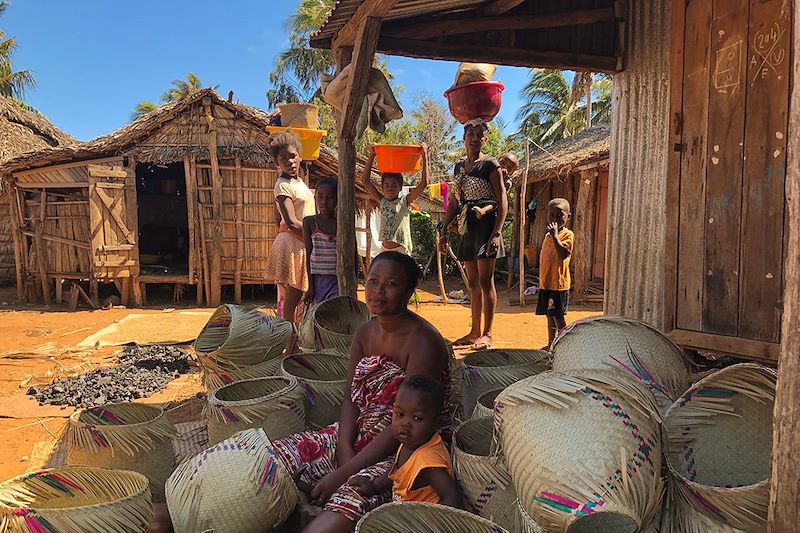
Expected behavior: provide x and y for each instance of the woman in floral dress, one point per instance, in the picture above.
(384, 350)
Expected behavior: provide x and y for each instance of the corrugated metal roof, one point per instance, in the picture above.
(345, 9)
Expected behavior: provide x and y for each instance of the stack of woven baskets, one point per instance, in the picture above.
(582, 445)
(332, 324)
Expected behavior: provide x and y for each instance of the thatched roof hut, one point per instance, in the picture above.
(570, 155)
(183, 195)
(20, 132)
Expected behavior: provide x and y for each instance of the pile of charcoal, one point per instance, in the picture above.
(140, 372)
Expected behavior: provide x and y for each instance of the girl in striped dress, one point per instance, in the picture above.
(319, 235)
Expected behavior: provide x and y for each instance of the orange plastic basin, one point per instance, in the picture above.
(398, 158)
(309, 140)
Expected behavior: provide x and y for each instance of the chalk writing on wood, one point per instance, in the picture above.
(728, 71)
(768, 52)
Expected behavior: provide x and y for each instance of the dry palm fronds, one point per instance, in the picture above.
(332, 324)
(488, 369)
(76, 499)
(483, 477)
(217, 374)
(274, 404)
(322, 376)
(719, 436)
(632, 347)
(595, 461)
(124, 436)
(484, 407)
(48, 351)
(238, 486)
(412, 517)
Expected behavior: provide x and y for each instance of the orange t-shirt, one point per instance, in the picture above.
(553, 272)
(432, 454)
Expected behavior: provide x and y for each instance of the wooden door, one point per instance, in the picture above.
(600, 227)
(733, 130)
(112, 219)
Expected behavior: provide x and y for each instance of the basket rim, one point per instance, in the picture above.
(474, 421)
(468, 357)
(230, 310)
(290, 383)
(314, 354)
(74, 418)
(114, 472)
(330, 302)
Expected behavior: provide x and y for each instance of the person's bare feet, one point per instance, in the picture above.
(482, 343)
(467, 340)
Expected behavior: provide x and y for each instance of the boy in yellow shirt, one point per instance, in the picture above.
(554, 278)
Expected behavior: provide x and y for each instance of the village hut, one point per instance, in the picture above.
(21, 131)
(575, 168)
(703, 234)
(183, 196)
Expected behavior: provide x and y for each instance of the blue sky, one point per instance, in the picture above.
(94, 60)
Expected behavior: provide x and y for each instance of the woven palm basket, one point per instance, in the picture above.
(485, 405)
(274, 404)
(323, 379)
(332, 324)
(685, 519)
(584, 451)
(76, 499)
(124, 436)
(216, 374)
(485, 370)
(414, 517)
(636, 349)
(719, 440)
(235, 337)
(238, 486)
(482, 475)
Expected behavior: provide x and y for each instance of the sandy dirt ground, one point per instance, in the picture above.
(39, 345)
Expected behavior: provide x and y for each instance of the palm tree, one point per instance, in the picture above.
(298, 69)
(179, 89)
(555, 109)
(13, 83)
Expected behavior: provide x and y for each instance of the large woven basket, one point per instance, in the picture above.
(240, 337)
(719, 440)
(685, 519)
(584, 451)
(323, 378)
(76, 499)
(635, 348)
(274, 404)
(332, 324)
(124, 436)
(216, 374)
(238, 486)
(482, 475)
(485, 405)
(413, 517)
(485, 370)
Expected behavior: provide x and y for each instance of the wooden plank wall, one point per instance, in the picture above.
(732, 171)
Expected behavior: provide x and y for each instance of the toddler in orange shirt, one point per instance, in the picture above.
(554, 278)
(422, 470)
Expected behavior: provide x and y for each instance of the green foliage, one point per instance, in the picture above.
(179, 89)
(13, 83)
(423, 235)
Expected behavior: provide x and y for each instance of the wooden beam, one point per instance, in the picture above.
(784, 501)
(584, 215)
(215, 295)
(461, 26)
(41, 254)
(19, 266)
(765, 352)
(132, 216)
(347, 36)
(487, 54)
(522, 240)
(22, 173)
(498, 7)
(363, 55)
(237, 216)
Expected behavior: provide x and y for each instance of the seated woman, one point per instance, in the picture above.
(384, 350)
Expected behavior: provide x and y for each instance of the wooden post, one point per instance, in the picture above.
(16, 227)
(784, 501)
(584, 216)
(522, 240)
(363, 55)
(514, 239)
(132, 214)
(215, 294)
(41, 253)
(368, 254)
(188, 177)
(204, 253)
(440, 272)
(237, 217)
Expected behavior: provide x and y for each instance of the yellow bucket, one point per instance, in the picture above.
(309, 140)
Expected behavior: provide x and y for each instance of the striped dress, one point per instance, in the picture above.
(322, 267)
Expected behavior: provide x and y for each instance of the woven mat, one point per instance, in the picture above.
(174, 327)
(192, 439)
